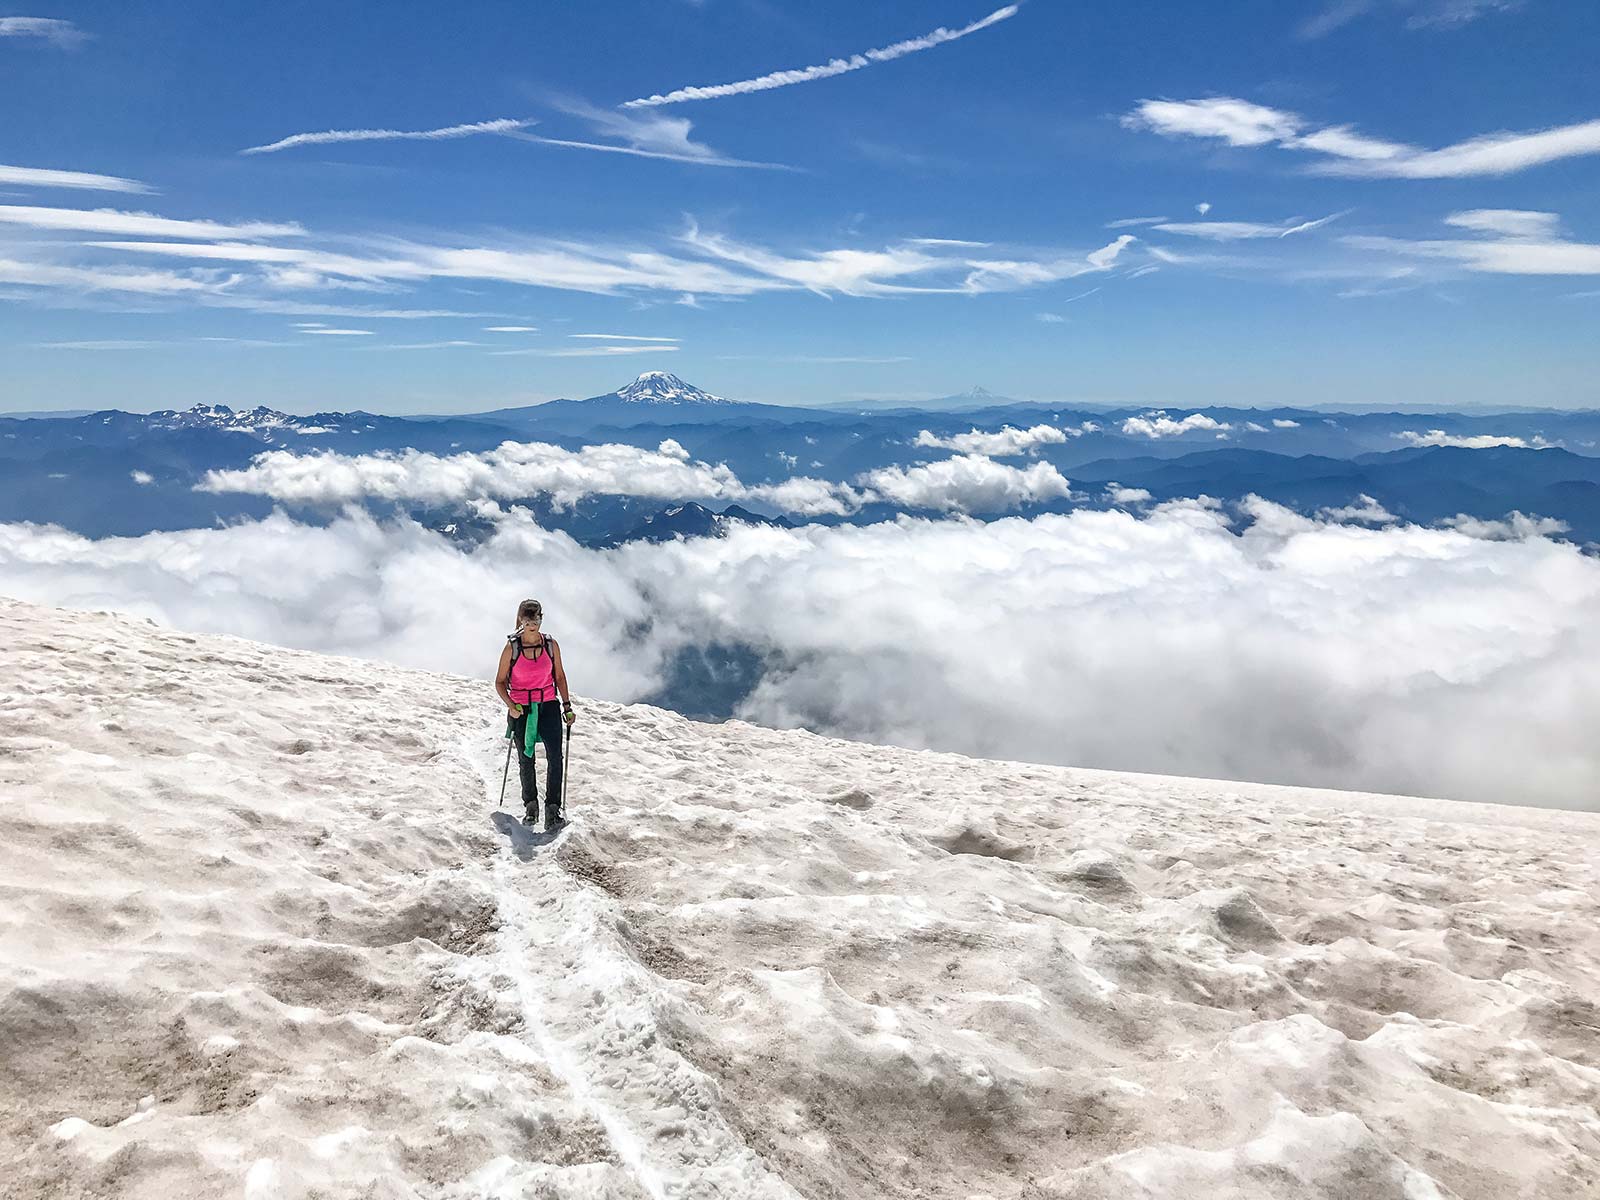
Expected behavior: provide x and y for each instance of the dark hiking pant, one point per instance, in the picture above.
(548, 715)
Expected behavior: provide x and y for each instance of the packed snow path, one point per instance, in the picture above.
(262, 935)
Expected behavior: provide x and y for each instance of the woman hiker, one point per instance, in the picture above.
(528, 679)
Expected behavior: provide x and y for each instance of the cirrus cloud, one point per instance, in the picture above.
(1341, 150)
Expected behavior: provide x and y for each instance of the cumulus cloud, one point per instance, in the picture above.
(967, 483)
(1158, 425)
(518, 470)
(1006, 442)
(1117, 494)
(1342, 150)
(1420, 661)
(1515, 526)
(1284, 423)
(1476, 441)
(1365, 511)
(837, 66)
(513, 470)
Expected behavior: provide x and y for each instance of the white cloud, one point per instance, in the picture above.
(1482, 441)
(1284, 423)
(1006, 442)
(1050, 318)
(108, 279)
(447, 344)
(621, 337)
(1508, 222)
(1516, 526)
(1157, 424)
(1117, 494)
(1365, 511)
(1237, 122)
(643, 135)
(514, 470)
(967, 483)
(323, 331)
(104, 344)
(1420, 14)
(1522, 252)
(1233, 231)
(141, 477)
(82, 180)
(1292, 650)
(997, 275)
(511, 329)
(837, 66)
(1135, 222)
(129, 224)
(581, 351)
(518, 470)
(328, 137)
(1343, 151)
(62, 34)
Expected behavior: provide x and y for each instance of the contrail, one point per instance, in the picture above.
(503, 125)
(838, 66)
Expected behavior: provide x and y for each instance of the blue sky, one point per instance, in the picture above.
(1362, 201)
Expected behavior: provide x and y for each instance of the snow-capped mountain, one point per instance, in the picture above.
(663, 387)
(220, 416)
(272, 954)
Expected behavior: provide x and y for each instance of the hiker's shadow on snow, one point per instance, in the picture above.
(524, 841)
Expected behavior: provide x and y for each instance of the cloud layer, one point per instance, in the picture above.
(967, 483)
(1394, 658)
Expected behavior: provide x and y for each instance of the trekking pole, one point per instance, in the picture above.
(566, 768)
(504, 778)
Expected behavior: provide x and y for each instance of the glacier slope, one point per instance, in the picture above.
(263, 935)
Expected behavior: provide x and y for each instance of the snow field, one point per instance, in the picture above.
(262, 935)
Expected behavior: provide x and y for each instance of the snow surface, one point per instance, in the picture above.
(263, 935)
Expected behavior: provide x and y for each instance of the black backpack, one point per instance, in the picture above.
(515, 640)
(548, 646)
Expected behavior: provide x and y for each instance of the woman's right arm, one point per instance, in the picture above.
(502, 680)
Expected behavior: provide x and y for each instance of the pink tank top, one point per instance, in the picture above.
(532, 679)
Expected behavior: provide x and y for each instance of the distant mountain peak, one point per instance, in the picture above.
(663, 387)
(220, 416)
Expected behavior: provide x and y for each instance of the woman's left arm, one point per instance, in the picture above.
(560, 672)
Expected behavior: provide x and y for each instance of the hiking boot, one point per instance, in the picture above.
(530, 817)
(555, 823)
